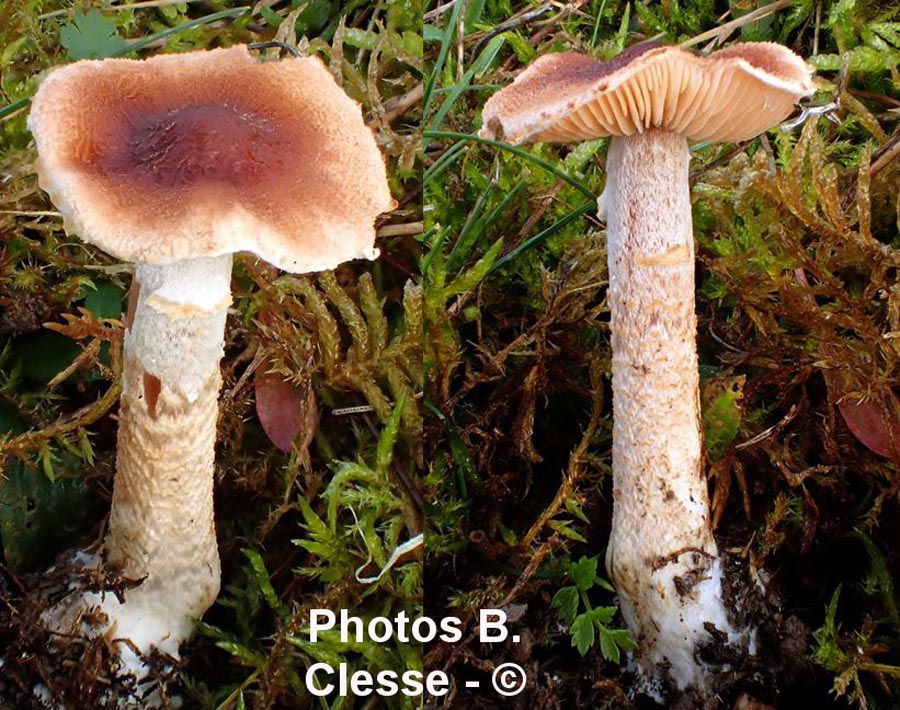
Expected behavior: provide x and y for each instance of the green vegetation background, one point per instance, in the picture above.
(799, 313)
(286, 521)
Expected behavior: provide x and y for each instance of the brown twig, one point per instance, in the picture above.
(397, 106)
(83, 417)
(887, 153)
(401, 230)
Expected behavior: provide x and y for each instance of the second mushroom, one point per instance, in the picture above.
(174, 164)
(652, 99)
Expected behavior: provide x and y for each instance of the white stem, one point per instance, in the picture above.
(161, 525)
(662, 555)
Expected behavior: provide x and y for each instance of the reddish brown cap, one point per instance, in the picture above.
(730, 95)
(206, 153)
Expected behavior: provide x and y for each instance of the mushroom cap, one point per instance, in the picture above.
(207, 153)
(733, 94)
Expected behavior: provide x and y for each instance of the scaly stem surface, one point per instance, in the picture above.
(161, 525)
(662, 555)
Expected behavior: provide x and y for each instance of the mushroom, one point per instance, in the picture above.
(652, 99)
(175, 163)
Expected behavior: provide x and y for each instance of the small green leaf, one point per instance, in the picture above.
(312, 522)
(241, 653)
(509, 536)
(85, 448)
(603, 584)
(361, 39)
(385, 452)
(603, 614)
(319, 549)
(48, 461)
(563, 527)
(91, 36)
(325, 650)
(261, 574)
(471, 278)
(582, 154)
(574, 507)
(828, 651)
(565, 601)
(612, 641)
(583, 633)
(608, 646)
(584, 573)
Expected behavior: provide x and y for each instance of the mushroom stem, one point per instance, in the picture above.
(161, 525)
(662, 555)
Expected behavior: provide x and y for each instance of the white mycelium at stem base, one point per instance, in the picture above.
(662, 555)
(161, 525)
